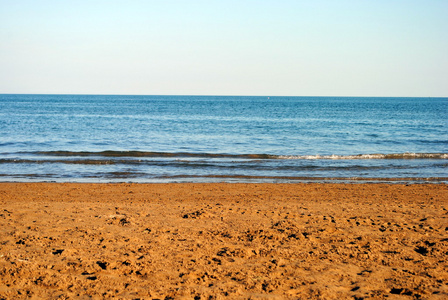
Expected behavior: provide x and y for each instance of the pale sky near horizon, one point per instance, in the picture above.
(211, 47)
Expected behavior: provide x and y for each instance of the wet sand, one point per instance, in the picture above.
(216, 241)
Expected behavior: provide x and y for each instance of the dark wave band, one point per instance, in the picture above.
(110, 153)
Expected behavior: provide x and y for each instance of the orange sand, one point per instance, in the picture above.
(216, 241)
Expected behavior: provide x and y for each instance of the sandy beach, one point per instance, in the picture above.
(216, 241)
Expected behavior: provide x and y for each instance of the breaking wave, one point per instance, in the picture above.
(110, 153)
(371, 156)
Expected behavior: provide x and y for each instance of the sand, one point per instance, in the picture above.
(223, 241)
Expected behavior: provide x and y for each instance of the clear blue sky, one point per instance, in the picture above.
(226, 47)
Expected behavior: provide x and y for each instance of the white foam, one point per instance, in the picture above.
(406, 155)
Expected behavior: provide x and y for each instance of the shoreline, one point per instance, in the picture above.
(245, 179)
(223, 240)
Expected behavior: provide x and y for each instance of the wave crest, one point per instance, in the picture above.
(371, 156)
(110, 153)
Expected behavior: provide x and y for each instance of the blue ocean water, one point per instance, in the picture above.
(94, 138)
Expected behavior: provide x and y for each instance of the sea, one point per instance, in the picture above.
(159, 139)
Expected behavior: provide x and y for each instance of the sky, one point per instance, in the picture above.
(225, 47)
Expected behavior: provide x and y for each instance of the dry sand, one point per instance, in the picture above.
(215, 241)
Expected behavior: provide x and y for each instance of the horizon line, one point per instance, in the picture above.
(216, 95)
